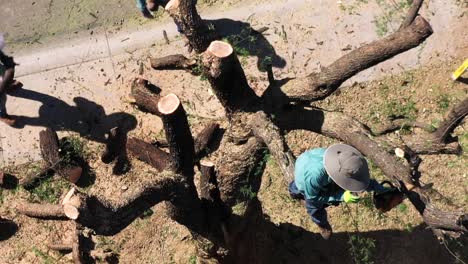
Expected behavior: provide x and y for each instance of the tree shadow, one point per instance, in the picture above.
(268, 242)
(86, 117)
(248, 41)
(10, 182)
(7, 229)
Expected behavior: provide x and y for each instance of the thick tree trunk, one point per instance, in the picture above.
(227, 78)
(61, 247)
(317, 86)
(197, 31)
(150, 154)
(172, 62)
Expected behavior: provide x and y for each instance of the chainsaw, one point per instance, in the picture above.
(385, 201)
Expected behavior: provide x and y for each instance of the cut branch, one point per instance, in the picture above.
(440, 141)
(453, 119)
(197, 31)
(412, 13)
(178, 135)
(227, 78)
(150, 154)
(145, 95)
(172, 62)
(317, 86)
(204, 138)
(43, 211)
(49, 145)
(398, 124)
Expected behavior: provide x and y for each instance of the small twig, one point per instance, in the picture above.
(448, 249)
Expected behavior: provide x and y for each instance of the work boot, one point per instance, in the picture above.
(325, 231)
(7, 120)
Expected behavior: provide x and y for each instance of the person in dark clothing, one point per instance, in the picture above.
(324, 177)
(7, 83)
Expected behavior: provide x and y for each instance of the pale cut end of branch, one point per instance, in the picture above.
(206, 163)
(71, 211)
(172, 5)
(399, 152)
(168, 104)
(220, 49)
(68, 196)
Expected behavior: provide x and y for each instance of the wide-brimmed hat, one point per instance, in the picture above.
(347, 167)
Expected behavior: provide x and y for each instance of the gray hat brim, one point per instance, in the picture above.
(332, 167)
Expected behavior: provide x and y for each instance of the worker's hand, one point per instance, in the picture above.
(349, 197)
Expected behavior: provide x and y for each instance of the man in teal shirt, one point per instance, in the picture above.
(330, 176)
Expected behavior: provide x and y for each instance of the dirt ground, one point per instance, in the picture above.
(425, 92)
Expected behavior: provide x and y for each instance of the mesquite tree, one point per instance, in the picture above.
(255, 122)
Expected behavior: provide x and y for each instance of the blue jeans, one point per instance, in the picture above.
(141, 4)
(317, 211)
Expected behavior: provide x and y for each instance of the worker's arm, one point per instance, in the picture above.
(315, 189)
(374, 186)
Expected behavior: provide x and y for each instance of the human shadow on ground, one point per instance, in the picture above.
(86, 117)
(248, 41)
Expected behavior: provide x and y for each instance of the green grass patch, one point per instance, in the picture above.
(46, 259)
(361, 249)
(49, 190)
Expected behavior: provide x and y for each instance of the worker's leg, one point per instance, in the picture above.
(141, 5)
(317, 213)
(294, 192)
(3, 99)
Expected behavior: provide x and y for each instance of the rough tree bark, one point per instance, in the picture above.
(227, 78)
(49, 145)
(150, 154)
(197, 31)
(172, 62)
(317, 86)
(145, 95)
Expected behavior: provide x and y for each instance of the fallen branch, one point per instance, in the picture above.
(317, 86)
(398, 124)
(150, 154)
(43, 211)
(172, 62)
